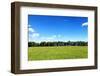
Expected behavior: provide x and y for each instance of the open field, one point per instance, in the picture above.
(57, 52)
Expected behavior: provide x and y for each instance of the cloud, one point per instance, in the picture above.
(31, 29)
(85, 24)
(37, 38)
(54, 36)
(51, 38)
(59, 35)
(29, 25)
(32, 33)
(35, 35)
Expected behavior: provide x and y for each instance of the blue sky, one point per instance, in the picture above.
(57, 28)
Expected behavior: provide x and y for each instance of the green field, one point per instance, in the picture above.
(57, 52)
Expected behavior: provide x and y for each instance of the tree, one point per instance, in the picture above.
(59, 43)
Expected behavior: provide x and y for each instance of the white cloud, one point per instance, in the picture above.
(59, 35)
(29, 25)
(31, 30)
(54, 36)
(35, 35)
(37, 38)
(32, 33)
(51, 38)
(85, 24)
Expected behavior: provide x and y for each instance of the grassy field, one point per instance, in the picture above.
(60, 52)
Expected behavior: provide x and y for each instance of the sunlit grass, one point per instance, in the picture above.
(57, 52)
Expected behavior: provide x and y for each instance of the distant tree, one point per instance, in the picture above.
(29, 44)
(59, 43)
(43, 44)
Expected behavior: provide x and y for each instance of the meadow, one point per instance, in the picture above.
(57, 52)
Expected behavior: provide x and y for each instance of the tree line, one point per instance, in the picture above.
(59, 43)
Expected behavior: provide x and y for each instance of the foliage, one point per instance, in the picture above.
(59, 43)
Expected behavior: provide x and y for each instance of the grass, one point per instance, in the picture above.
(57, 52)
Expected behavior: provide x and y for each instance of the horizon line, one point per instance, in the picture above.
(59, 41)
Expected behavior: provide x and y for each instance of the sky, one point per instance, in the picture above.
(57, 28)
